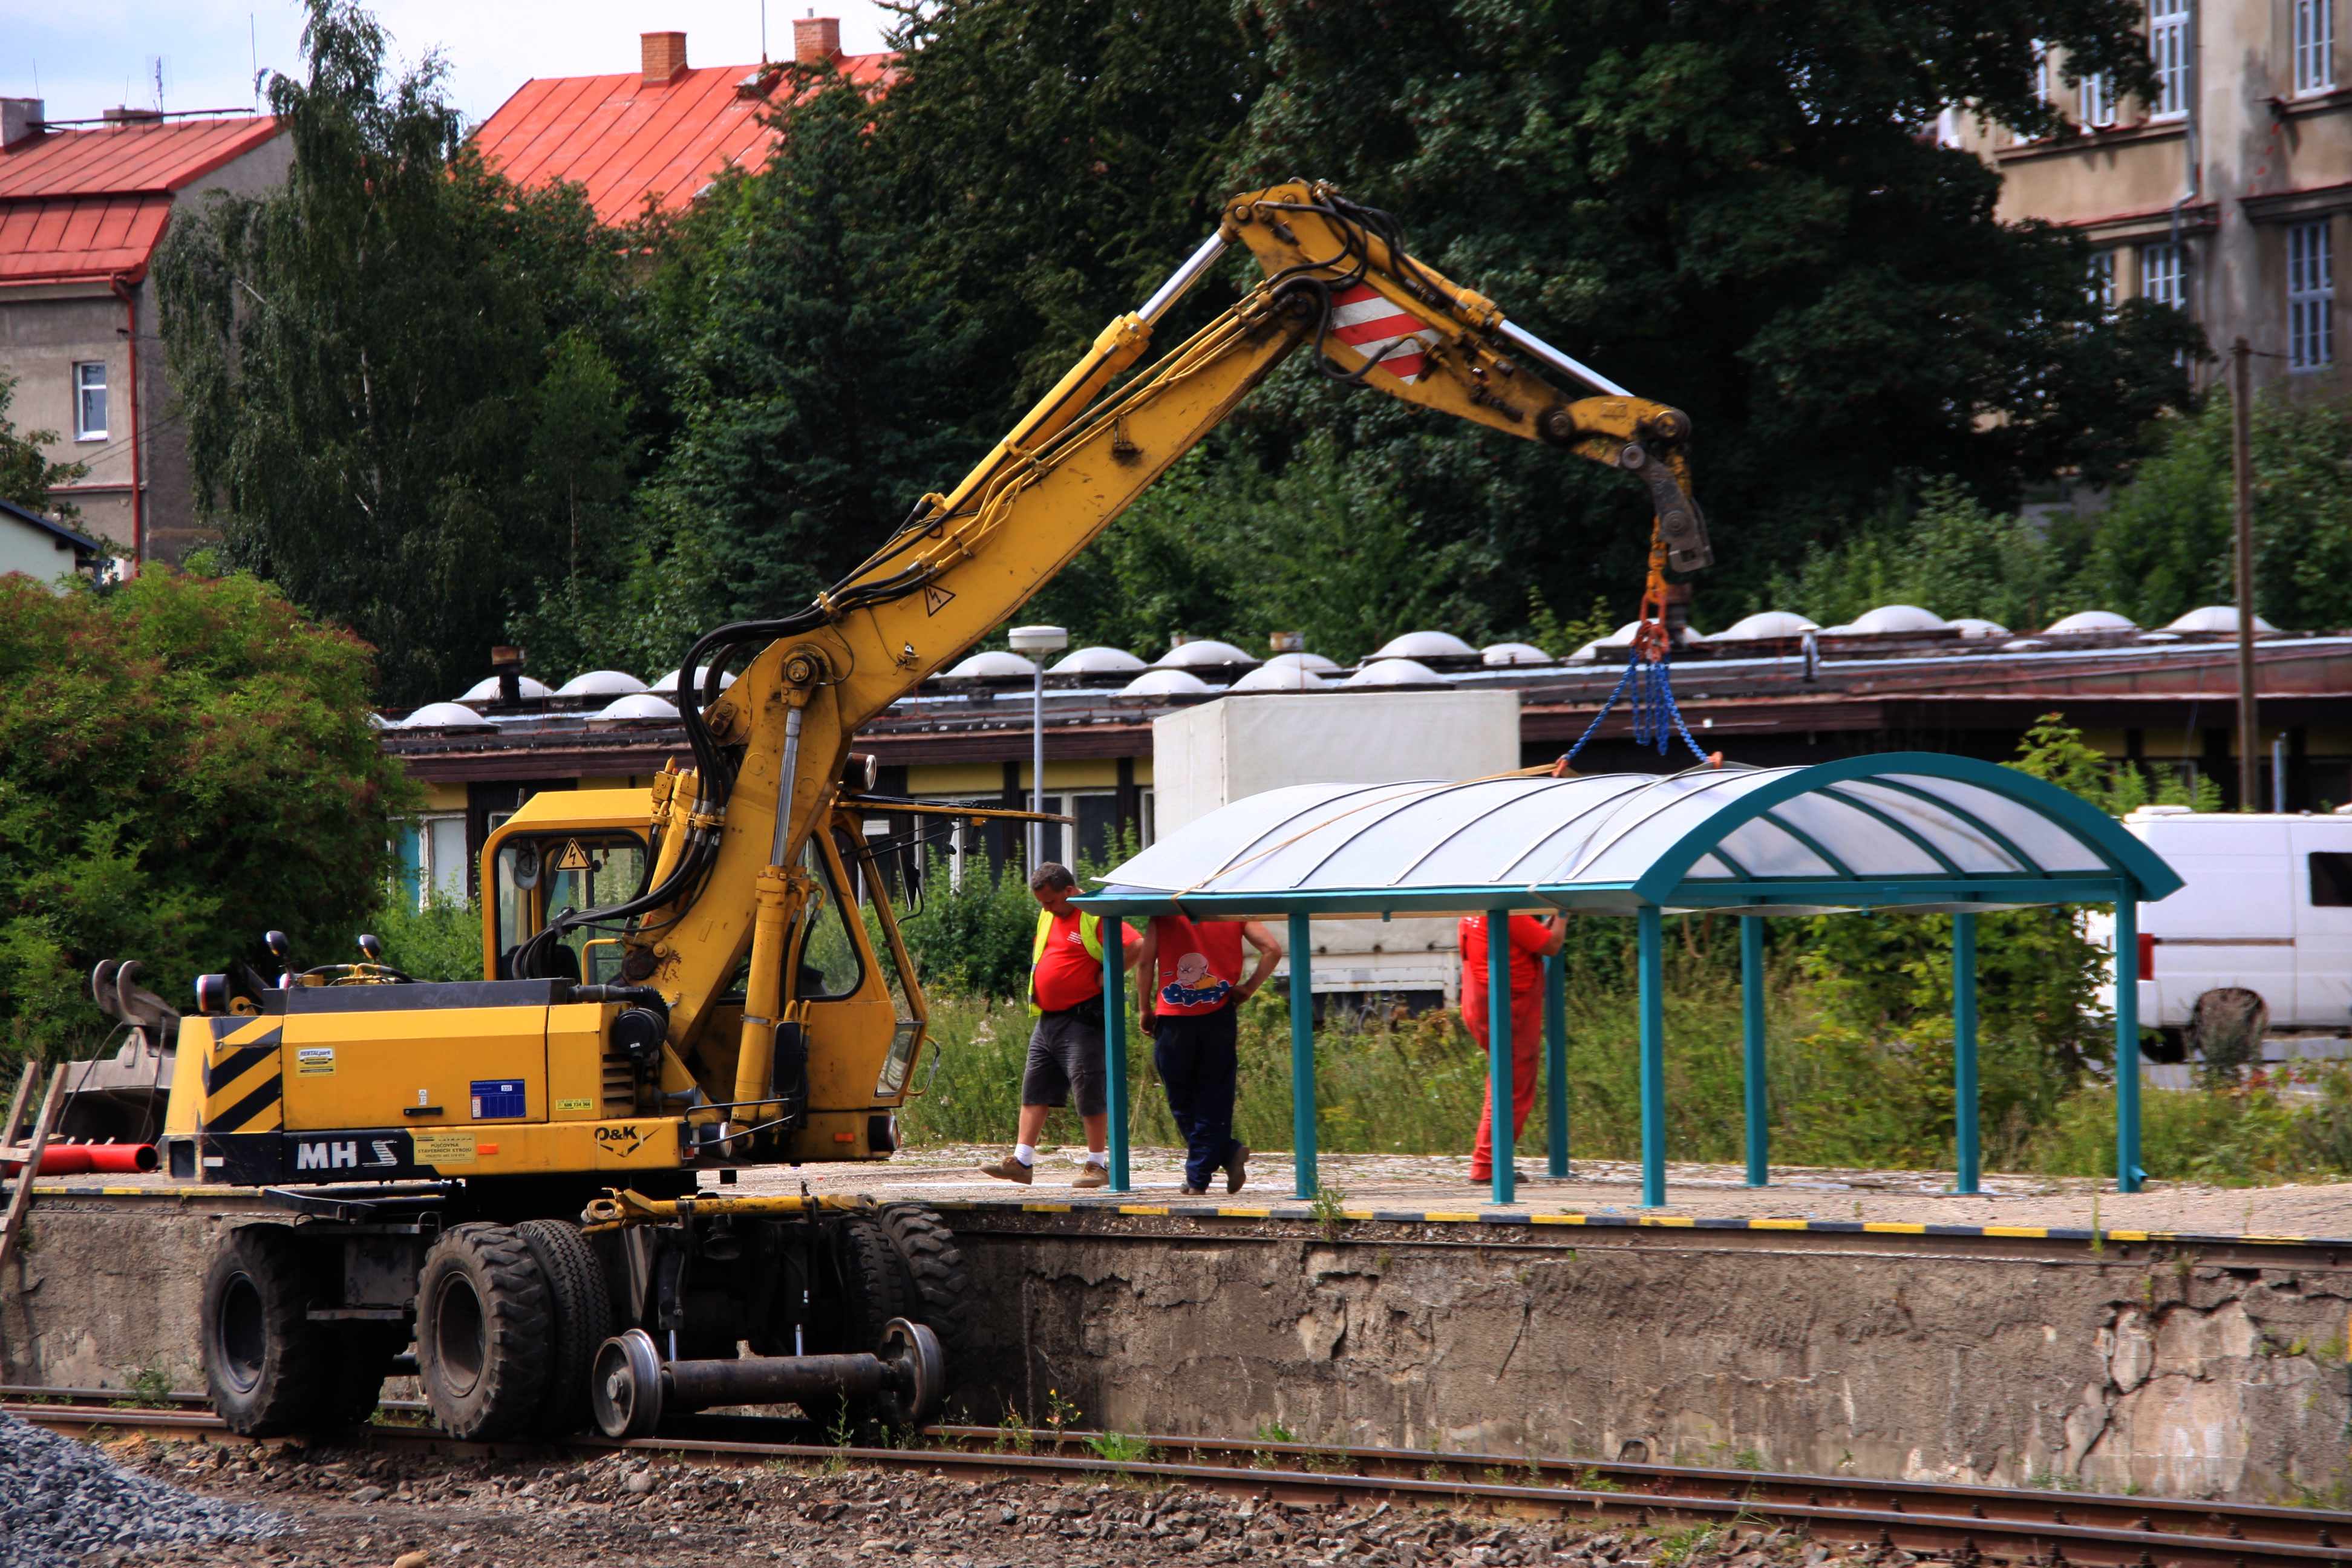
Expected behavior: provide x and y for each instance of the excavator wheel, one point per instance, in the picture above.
(876, 1288)
(484, 1338)
(582, 1305)
(935, 1267)
(264, 1359)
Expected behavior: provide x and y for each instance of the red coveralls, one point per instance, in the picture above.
(1529, 938)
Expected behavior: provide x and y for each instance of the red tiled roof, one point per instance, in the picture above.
(92, 203)
(624, 140)
(127, 158)
(79, 237)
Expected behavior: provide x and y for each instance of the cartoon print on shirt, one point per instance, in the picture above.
(1186, 990)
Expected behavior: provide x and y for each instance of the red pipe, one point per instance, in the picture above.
(138, 489)
(83, 1159)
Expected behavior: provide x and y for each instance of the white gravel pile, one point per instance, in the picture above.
(61, 1500)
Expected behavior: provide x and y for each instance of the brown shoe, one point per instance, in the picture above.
(1092, 1177)
(1010, 1170)
(1194, 1192)
(1237, 1170)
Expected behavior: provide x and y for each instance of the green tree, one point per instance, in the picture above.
(1950, 553)
(26, 474)
(361, 356)
(183, 764)
(2164, 543)
(1733, 210)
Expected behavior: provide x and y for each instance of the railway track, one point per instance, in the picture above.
(1964, 1524)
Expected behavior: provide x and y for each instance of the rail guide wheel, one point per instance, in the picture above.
(632, 1387)
(624, 1389)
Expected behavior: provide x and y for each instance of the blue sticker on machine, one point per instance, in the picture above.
(497, 1097)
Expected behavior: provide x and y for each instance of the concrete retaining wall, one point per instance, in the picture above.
(2109, 1371)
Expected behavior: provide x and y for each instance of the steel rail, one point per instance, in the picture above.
(2033, 1528)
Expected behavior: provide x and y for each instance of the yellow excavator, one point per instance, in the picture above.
(506, 1172)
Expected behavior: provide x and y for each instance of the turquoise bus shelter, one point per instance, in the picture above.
(1908, 830)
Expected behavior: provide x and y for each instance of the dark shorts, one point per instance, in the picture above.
(1065, 1055)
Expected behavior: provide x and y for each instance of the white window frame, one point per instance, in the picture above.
(428, 879)
(2311, 295)
(2103, 280)
(2094, 100)
(2315, 46)
(83, 385)
(2168, 48)
(2164, 275)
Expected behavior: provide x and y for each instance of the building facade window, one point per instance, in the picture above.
(2315, 45)
(89, 401)
(2102, 285)
(2094, 100)
(2310, 296)
(2163, 276)
(2168, 47)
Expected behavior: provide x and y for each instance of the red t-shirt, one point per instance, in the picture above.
(1066, 973)
(1200, 963)
(1530, 937)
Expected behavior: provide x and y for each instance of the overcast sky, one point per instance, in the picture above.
(89, 55)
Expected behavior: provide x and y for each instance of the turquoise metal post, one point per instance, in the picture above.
(1652, 967)
(1964, 1053)
(1114, 941)
(1501, 1087)
(2127, 1172)
(1556, 1058)
(1751, 1017)
(1302, 1056)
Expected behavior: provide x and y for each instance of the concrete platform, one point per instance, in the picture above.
(1847, 1322)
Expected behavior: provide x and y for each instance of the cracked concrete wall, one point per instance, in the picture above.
(2197, 1381)
(2185, 1379)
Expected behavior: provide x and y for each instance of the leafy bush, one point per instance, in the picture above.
(183, 765)
(440, 941)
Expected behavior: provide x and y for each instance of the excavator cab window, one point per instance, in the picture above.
(889, 951)
(831, 966)
(541, 874)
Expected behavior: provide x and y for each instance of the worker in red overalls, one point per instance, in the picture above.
(1532, 940)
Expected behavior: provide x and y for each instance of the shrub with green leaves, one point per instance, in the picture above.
(183, 764)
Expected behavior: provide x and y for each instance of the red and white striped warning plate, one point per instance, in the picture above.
(1364, 319)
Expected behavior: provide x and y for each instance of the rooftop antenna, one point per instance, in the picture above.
(155, 67)
(253, 47)
(763, 32)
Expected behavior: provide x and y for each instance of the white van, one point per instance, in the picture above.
(2265, 906)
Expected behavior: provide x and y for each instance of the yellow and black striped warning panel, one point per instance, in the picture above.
(243, 1078)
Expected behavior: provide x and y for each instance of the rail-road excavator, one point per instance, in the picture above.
(505, 1171)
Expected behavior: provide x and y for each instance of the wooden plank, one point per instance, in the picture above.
(21, 1197)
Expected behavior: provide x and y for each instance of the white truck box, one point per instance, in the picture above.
(1212, 755)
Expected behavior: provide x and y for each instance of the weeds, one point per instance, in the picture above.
(151, 1389)
(1014, 1435)
(1671, 1550)
(1120, 1448)
(841, 1436)
(1330, 1205)
(1589, 1479)
(1059, 1413)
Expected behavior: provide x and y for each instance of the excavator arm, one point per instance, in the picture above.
(732, 834)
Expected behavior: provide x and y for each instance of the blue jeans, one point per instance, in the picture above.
(1196, 1055)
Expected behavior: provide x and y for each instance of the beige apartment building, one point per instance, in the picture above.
(2224, 195)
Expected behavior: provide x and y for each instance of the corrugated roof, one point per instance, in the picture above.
(69, 237)
(625, 140)
(127, 160)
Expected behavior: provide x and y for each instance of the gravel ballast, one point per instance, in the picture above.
(61, 1500)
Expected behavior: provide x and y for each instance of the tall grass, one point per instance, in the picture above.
(1415, 1086)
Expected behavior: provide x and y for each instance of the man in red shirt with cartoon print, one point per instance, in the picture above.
(1193, 1016)
(1532, 940)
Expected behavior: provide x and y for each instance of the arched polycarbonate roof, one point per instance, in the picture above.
(1914, 829)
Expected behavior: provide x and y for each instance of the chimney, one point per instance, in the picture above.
(664, 55)
(816, 40)
(507, 662)
(20, 119)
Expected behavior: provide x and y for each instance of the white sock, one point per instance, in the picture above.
(1097, 1157)
(1025, 1152)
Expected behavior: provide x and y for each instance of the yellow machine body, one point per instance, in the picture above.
(766, 1018)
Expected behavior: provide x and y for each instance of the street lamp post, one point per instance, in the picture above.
(1033, 642)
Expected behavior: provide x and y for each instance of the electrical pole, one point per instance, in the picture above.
(2242, 468)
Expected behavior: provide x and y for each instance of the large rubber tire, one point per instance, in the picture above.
(484, 1340)
(264, 1358)
(936, 1272)
(358, 1358)
(876, 1288)
(582, 1305)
